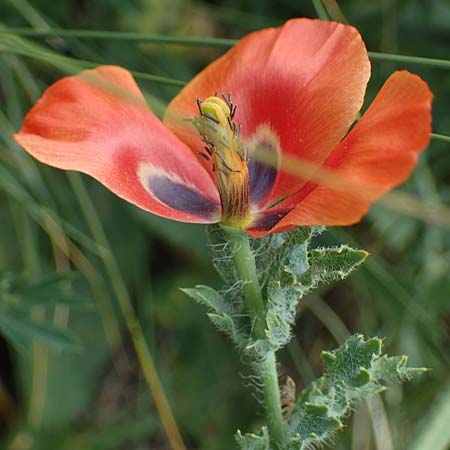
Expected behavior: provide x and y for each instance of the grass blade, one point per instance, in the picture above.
(435, 431)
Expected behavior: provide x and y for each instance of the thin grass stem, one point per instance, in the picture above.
(132, 323)
(15, 45)
(437, 63)
(320, 10)
(415, 60)
(120, 36)
(440, 137)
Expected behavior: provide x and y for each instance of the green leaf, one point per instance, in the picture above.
(52, 289)
(21, 330)
(250, 441)
(287, 256)
(354, 371)
(287, 269)
(350, 362)
(18, 294)
(17, 338)
(296, 270)
(313, 422)
(335, 263)
(224, 315)
(227, 325)
(208, 297)
(288, 260)
(278, 330)
(394, 367)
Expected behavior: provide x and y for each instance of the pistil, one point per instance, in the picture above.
(221, 135)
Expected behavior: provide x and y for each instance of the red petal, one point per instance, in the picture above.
(98, 123)
(377, 155)
(305, 81)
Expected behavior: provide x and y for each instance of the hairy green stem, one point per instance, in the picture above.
(246, 268)
(272, 401)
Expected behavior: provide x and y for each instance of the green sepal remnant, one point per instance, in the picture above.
(287, 269)
(354, 371)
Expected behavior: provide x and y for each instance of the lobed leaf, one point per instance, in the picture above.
(208, 297)
(298, 270)
(287, 269)
(223, 314)
(354, 371)
(250, 441)
(335, 263)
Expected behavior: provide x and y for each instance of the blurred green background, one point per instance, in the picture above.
(71, 252)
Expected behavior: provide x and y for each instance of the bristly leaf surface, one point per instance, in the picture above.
(287, 267)
(354, 371)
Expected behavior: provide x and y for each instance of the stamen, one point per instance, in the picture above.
(206, 141)
(228, 167)
(210, 117)
(233, 111)
(204, 155)
(230, 123)
(199, 106)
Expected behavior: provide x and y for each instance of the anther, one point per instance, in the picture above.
(203, 155)
(210, 117)
(207, 141)
(199, 106)
(233, 111)
(227, 100)
(230, 123)
(220, 156)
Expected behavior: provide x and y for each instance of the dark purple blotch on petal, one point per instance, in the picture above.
(262, 176)
(181, 197)
(268, 219)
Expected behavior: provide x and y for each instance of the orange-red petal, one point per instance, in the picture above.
(98, 123)
(304, 81)
(377, 155)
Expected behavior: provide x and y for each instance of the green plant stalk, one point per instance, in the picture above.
(246, 268)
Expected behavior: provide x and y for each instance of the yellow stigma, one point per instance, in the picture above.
(217, 108)
(221, 135)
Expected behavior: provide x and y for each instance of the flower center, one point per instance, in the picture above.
(221, 136)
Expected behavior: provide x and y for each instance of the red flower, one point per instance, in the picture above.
(295, 92)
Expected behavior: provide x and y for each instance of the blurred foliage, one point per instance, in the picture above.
(77, 383)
